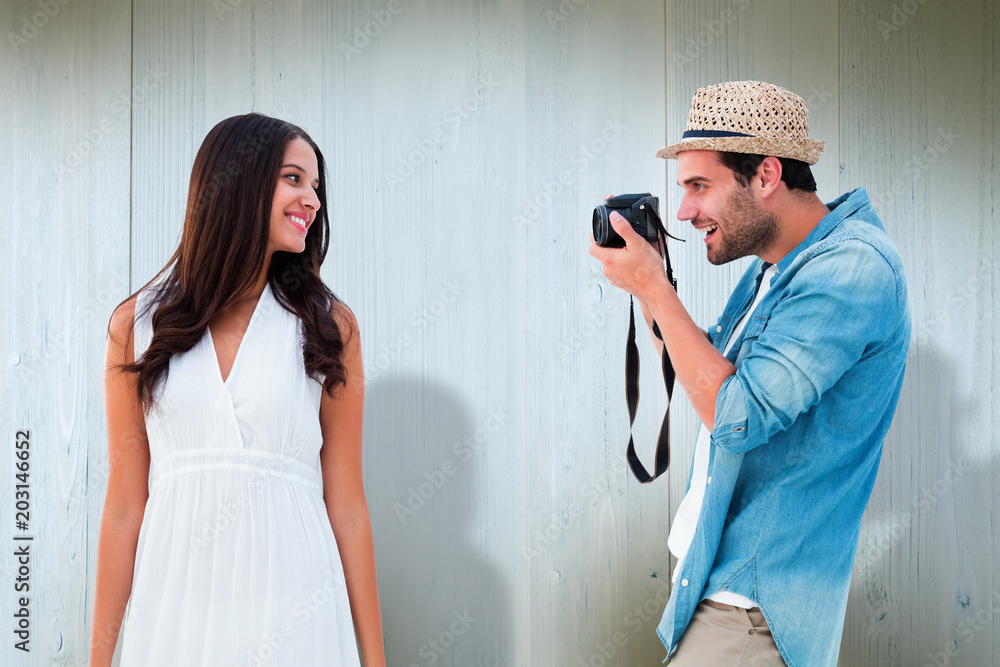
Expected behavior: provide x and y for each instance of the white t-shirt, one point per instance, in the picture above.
(686, 520)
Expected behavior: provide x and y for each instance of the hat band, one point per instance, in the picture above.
(697, 134)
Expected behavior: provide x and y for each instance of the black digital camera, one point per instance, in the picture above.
(641, 211)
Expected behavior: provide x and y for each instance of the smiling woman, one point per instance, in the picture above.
(235, 528)
(295, 198)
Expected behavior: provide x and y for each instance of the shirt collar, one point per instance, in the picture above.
(853, 203)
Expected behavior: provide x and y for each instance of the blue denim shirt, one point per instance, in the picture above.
(798, 433)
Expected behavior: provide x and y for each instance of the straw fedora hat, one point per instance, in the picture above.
(748, 117)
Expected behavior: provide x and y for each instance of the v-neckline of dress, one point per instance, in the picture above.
(239, 348)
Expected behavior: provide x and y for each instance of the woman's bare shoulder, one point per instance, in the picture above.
(345, 319)
(121, 330)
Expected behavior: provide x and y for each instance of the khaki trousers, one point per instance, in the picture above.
(721, 635)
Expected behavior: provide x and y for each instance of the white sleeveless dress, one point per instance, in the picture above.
(237, 564)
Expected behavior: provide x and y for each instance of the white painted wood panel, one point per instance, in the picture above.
(786, 43)
(595, 119)
(65, 235)
(467, 144)
(919, 129)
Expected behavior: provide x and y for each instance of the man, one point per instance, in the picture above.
(795, 384)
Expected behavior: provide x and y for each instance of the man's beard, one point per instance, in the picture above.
(747, 229)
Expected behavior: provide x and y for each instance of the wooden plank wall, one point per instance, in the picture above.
(791, 44)
(467, 144)
(67, 93)
(919, 129)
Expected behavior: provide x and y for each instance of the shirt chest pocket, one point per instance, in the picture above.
(755, 326)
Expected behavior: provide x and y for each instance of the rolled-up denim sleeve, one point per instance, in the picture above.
(841, 305)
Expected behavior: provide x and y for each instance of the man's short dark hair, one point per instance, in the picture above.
(795, 173)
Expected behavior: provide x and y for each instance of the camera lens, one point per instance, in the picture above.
(601, 225)
(604, 234)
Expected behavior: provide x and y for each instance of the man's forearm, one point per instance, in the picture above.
(649, 325)
(699, 367)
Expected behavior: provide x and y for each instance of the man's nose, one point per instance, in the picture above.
(687, 210)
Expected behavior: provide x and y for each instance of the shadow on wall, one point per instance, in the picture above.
(443, 603)
(921, 534)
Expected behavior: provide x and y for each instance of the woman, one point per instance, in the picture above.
(235, 525)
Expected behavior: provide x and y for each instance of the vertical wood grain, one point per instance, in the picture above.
(594, 538)
(918, 130)
(790, 44)
(466, 146)
(415, 106)
(66, 241)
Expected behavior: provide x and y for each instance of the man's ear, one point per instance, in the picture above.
(768, 176)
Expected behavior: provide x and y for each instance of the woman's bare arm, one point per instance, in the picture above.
(125, 502)
(341, 420)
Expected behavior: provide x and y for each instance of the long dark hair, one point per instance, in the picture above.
(223, 250)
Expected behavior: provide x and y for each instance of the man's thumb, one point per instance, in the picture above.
(621, 225)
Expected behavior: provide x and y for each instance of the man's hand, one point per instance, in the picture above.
(637, 268)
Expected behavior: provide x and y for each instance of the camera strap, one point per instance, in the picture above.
(662, 457)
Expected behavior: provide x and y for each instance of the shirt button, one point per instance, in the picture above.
(750, 631)
(710, 480)
(718, 329)
(684, 582)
